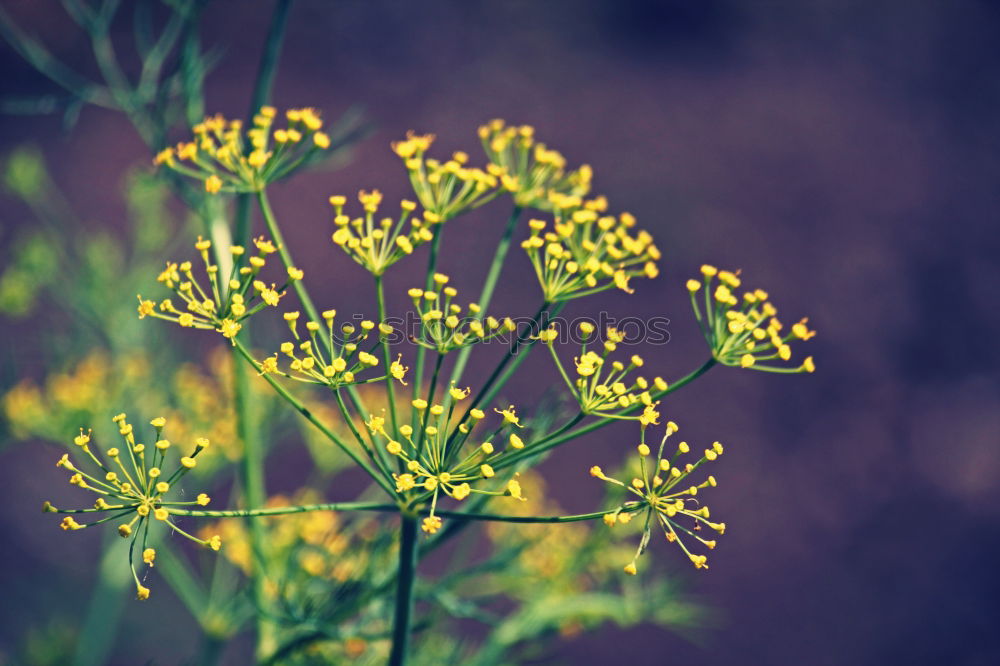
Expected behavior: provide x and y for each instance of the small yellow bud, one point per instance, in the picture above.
(431, 524)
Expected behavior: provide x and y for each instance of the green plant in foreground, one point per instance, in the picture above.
(442, 456)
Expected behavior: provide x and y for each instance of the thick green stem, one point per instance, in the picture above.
(253, 453)
(405, 580)
(488, 287)
(252, 477)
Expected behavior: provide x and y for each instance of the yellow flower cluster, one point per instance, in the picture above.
(664, 494)
(131, 489)
(602, 387)
(224, 304)
(430, 453)
(225, 159)
(316, 538)
(445, 189)
(535, 176)
(444, 328)
(744, 332)
(547, 556)
(587, 252)
(376, 246)
(199, 395)
(337, 359)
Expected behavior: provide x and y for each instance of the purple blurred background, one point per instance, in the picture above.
(843, 153)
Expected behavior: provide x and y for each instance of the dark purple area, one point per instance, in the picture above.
(844, 154)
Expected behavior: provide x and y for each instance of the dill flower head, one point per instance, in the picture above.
(665, 494)
(132, 489)
(442, 458)
(224, 303)
(587, 251)
(603, 386)
(534, 175)
(444, 327)
(744, 332)
(332, 356)
(446, 188)
(227, 159)
(378, 245)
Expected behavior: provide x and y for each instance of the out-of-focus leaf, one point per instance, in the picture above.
(25, 175)
(146, 197)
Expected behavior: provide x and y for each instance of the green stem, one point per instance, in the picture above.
(253, 454)
(285, 510)
(561, 436)
(393, 508)
(512, 353)
(488, 287)
(521, 357)
(386, 354)
(375, 453)
(500, 518)
(430, 400)
(418, 366)
(485, 394)
(304, 411)
(286, 256)
(300, 290)
(254, 489)
(261, 93)
(405, 580)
